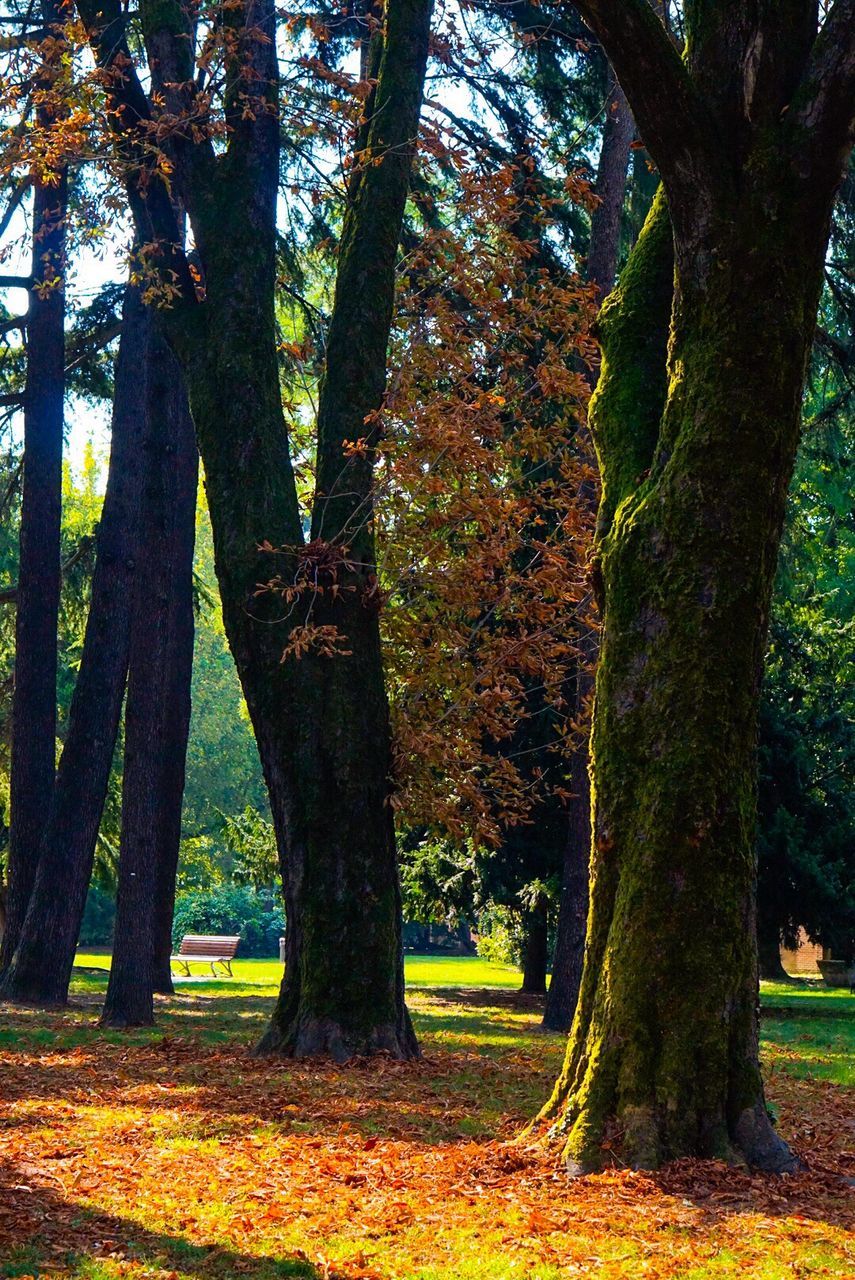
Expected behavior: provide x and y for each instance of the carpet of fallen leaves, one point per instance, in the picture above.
(167, 1155)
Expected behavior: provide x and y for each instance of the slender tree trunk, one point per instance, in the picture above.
(178, 706)
(610, 190)
(39, 576)
(157, 710)
(40, 968)
(573, 904)
(536, 948)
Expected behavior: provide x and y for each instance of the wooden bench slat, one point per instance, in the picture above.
(203, 948)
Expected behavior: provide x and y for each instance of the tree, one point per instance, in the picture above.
(750, 135)
(40, 967)
(157, 708)
(39, 573)
(321, 722)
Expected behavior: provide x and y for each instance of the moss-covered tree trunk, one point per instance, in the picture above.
(751, 135)
(343, 990)
(663, 1056)
(321, 722)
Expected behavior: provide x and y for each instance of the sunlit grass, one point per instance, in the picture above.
(421, 971)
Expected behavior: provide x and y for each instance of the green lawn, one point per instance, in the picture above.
(421, 971)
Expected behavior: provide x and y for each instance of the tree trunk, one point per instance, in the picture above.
(573, 904)
(610, 190)
(178, 705)
(536, 948)
(40, 968)
(769, 955)
(664, 1048)
(321, 723)
(39, 575)
(158, 707)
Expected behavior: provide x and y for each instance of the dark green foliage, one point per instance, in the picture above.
(99, 917)
(229, 909)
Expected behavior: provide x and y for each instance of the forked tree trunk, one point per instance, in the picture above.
(321, 723)
(157, 708)
(39, 576)
(40, 968)
(663, 1057)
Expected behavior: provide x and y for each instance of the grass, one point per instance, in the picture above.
(421, 971)
(173, 1154)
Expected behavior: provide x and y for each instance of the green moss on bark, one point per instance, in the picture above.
(662, 1060)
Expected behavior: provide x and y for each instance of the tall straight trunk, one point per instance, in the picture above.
(176, 730)
(535, 958)
(603, 250)
(39, 577)
(40, 968)
(570, 930)
(157, 709)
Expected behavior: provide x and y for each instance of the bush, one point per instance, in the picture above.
(255, 914)
(99, 918)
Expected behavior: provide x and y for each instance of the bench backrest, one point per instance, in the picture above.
(204, 944)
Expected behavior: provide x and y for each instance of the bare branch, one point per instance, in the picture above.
(9, 595)
(822, 114)
(673, 119)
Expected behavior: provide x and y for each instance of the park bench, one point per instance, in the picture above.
(201, 948)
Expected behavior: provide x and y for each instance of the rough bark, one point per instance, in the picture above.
(321, 724)
(663, 1057)
(40, 968)
(343, 990)
(610, 190)
(39, 574)
(157, 708)
(536, 948)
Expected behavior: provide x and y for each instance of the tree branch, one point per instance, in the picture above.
(673, 120)
(130, 119)
(822, 114)
(9, 595)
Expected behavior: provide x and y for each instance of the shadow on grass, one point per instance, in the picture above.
(42, 1232)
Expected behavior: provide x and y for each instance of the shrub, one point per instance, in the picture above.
(255, 914)
(99, 918)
